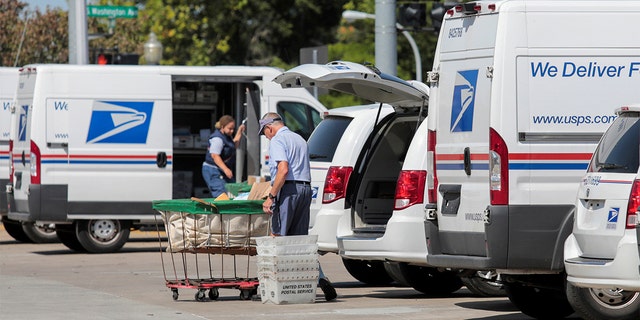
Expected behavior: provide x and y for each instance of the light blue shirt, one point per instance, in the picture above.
(289, 146)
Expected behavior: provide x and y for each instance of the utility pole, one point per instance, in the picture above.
(78, 41)
(386, 45)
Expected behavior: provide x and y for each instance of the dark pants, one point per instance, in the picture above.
(292, 209)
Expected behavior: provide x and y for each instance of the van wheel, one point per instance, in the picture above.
(369, 272)
(593, 303)
(430, 281)
(14, 229)
(394, 271)
(484, 284)
(102, 235)
(67, 235)
(539, 303)
(40, 232)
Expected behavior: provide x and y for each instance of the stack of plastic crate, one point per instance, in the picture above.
(288, 269)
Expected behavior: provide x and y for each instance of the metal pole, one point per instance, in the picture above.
(416, 51)
(78, 41)
(386, 37)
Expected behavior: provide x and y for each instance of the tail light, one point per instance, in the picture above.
(498, 169)
(11, 167)
(432, 178)
(335, 185)
(35, 163)
(410, 188)
(632, 207)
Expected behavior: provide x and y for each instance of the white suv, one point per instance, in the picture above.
(334, 147)
(601, 255)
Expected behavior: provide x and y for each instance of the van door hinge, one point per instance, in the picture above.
(431, 212)
(487, 216)
(433, 77)
(490, 72)
(13, 108)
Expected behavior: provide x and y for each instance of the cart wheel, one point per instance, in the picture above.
(174, 292)
(200, 295)
(214, 294)
(245, 294)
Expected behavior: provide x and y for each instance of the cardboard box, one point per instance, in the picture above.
(259, 190)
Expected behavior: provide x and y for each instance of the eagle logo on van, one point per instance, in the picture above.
(464, 93)
(22, 124)
(119, 122)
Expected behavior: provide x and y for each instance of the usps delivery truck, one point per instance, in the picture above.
(521, 92)
(95, 145)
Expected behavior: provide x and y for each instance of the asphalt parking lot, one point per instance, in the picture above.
(49, 281)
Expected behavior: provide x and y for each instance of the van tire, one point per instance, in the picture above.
(430, 281)
(102, 235)
(596, 304)
(67, 235)
(539, 303)
(394, 270)
(40, 233)
(366, 271)
(483, 287)
(14, 229)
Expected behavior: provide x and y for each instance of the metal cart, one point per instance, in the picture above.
(202, 241)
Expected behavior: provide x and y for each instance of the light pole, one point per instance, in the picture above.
(351, 15)
(152, 50)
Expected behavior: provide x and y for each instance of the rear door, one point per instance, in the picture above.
(462, 135)
(21, 154)
(603, 197)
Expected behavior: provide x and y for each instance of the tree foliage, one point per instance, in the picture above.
(32, 36)
(213, 32)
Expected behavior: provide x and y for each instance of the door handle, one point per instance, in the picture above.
(161, 159)
(467, 161)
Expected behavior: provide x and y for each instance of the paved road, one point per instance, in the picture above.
(48, 281)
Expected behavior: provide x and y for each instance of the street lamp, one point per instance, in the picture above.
(152, 50)
(352, 15)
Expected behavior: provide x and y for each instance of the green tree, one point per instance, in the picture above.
(32, 36)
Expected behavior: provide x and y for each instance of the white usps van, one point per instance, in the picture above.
(521, 91)
(94, 145)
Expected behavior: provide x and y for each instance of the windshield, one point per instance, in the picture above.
(618, 149)
(325, 138)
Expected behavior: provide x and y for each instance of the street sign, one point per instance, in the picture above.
(112, 12)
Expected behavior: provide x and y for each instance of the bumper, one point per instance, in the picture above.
(621, 272)
(325, 226)
(402, 241)
(517, 237)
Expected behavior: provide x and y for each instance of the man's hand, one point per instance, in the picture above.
(266, 206)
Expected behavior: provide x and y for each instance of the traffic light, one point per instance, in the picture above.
(104, 58)
(438, 10)
(412, 15)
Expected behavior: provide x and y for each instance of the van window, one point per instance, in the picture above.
(325, 138)
(618, 149)
(299, 117)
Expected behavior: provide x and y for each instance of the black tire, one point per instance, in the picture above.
(40, 233)
(369, 272)
(394, 271)
(430, 281)
(214, 294)
(14, 229)
(596, 304)
(67, 235)
(539, 303)
(102, 235)
(479, 285)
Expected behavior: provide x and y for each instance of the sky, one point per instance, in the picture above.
(42, 4)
